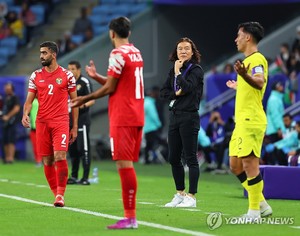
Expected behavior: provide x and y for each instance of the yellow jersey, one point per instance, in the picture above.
(248, 102)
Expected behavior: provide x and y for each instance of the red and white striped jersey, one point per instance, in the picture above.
(126, 104)
(52, 90)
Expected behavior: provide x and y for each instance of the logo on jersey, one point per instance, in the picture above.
(258, 69)
(59, 80)
(78, 86)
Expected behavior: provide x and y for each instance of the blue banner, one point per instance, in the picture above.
(222, 2)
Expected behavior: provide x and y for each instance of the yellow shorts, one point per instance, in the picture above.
(246, 139)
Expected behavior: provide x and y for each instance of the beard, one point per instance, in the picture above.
(46, 62)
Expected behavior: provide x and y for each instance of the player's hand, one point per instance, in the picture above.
(292, 153)
(240, 68)
(26, 121)
(177, 66)
(231, 84)
(91, 69)
(73, 135)
(5, 118)
(179, 92)
(77, 102)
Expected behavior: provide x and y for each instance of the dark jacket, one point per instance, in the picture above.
(191, 83)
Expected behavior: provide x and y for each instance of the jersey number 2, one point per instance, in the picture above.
(50, 86)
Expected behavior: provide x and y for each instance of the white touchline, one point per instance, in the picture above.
(149, 224)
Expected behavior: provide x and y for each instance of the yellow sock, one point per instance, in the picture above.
(261, 196)
(245, 185)
(254, 193)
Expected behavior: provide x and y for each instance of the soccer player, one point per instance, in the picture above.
(80, 149)
(52, 85)
(125, 87)
(250, 119)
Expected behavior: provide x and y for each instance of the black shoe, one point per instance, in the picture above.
(84, 182)
(72, 180)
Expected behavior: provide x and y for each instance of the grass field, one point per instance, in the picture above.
(26, 205)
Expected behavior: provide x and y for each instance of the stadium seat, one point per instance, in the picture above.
(3, 61)
(39, 11)
(77, 39)
(4, 53)
(99, 29)
(10, 43)
(102, 19)
(17, 9)
(136, 8)
(9, 2)
(123, 9)
(102, 9)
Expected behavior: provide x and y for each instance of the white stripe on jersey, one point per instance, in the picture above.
(116, 63)
(87, 82)
(31, 84)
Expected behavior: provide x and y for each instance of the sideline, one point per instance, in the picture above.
(153, 225)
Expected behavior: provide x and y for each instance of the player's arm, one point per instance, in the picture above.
(231, 84)
(27, 108)
(108, 88)
(74, 111)
(256, 79)
(92, 72)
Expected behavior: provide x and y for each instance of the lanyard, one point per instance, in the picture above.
(176, 87)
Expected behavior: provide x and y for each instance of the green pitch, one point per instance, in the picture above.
(26, 205)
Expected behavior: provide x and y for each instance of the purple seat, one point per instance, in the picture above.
(280, 182)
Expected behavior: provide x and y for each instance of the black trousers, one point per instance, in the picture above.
(80, 150)
(183, 138)
(152, 138)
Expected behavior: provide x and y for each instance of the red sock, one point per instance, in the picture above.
(129, 188)
(50, 173)
(62, 176)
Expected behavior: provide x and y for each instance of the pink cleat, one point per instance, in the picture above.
(127, 223)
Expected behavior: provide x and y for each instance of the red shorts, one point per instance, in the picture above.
(52, 137)
(125, 142)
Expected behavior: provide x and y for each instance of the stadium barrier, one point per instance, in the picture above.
(280, 182)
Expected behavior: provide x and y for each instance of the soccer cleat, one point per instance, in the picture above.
(59, 201)
(188, 201)
(72, 180)
(178, 198)
(266, 212)
(127, 223)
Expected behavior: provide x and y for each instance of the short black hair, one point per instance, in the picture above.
(51, 45)
(121, 26)
(288, 115)
(253, 28)
(76, 63)
(276, 84)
